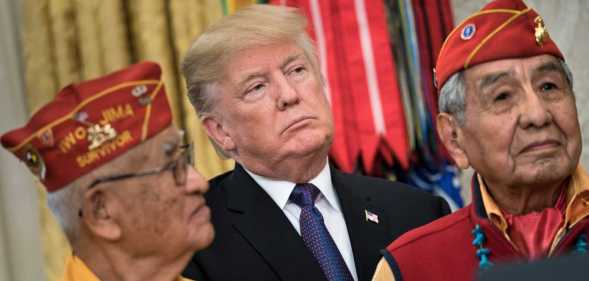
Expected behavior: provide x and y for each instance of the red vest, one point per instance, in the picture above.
(443, 250)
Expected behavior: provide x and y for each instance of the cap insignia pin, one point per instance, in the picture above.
(139, 90)
(97, 135)
(468, 31)
(46, 138)
(81, 117)
(540, 31)
(35, 163)
(145, 100)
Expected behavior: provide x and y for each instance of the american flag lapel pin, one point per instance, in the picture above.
(370, 216)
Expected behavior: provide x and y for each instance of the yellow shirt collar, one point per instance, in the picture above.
(76, 270)
(578, 205)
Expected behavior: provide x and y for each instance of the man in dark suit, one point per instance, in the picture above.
(284, 213)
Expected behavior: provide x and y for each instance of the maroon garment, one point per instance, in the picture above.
(443, 250)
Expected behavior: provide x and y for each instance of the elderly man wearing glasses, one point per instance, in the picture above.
(119, 177)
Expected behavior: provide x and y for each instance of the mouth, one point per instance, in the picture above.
(539, 146)
(300, 121)
(202, 212)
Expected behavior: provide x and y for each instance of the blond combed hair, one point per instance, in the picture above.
(253, 26)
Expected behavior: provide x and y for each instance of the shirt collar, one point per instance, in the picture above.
(76, 269)
(493, 211)
(280, 190)
(578, 204)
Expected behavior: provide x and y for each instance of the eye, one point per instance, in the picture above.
(255, 89)
(299, 69)
(501, 96)
(298, 72)
(548, 86)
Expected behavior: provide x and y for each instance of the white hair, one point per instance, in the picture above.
(65, 204)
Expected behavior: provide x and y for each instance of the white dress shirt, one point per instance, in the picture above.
(327, 203)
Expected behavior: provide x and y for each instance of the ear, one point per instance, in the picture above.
(452, 137)
(97, 215)
(218, 134)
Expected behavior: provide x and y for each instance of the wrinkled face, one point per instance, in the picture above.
(521, 126)
(160, 217)
(271, 106)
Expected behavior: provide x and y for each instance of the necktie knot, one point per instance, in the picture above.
(304, 195)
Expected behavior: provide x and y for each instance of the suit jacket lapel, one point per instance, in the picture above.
(365, 235)
(263, 224)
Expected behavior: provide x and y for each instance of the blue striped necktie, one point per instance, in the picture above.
(316, 236)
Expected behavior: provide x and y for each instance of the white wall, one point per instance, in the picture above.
(20, 247)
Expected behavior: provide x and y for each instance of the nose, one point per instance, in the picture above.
(535, 112)
(195, 182)
(287, 95)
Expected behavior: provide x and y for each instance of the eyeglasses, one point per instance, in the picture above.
(178, 166)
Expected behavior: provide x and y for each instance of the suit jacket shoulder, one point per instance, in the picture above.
(399, 208)
(406, 207)
(253, 238)
(255, 241)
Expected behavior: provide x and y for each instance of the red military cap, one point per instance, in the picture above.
(90, 123)
(503, 29)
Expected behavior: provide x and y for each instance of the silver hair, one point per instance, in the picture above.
(453, 93)
(452, 97)
(65, 205)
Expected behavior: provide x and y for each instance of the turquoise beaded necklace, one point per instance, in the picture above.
(483, 253)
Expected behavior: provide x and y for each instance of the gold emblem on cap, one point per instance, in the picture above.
(97, 135)
(540, 31)
(35, 163)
